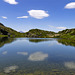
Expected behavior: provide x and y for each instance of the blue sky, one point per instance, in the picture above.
(51, 15)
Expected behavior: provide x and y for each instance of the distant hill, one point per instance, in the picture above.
(37, 33)
(21, 32)
(6, 31)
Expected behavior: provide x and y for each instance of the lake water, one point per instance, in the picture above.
(36, 56)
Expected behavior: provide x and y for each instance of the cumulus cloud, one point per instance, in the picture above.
(70, 5)
(5, 52)
(23, 17)
(70, 65)
(11, 1)
(22, 53)
(38, 14)
(57, 27)
(4, 17)
(10, 69)
(38, 56)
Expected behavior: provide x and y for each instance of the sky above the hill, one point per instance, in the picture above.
(51, 15)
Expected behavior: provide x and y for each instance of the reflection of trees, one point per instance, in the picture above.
(5, 40)
(39, 40)
(67, 42)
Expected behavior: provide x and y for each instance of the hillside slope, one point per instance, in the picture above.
(37, 33)
(68, 34)
(6, 31)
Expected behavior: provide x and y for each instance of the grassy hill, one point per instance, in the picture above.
(37, 33)
(67, 34)
(6, 31)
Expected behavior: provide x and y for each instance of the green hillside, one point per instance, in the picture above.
(37, 33)
(6, 31)
(68, 34)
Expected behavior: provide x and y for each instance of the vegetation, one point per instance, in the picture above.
(3, 36)
(37, 33)
(8, 32)
(67, 34)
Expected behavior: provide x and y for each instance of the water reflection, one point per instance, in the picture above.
(4, 53)
(70, 65)
(37, 40)
(10, 69)
(22, 53)
(66, 42)
(60, 41)
(38, 56)
(5, 40)
(35, 58)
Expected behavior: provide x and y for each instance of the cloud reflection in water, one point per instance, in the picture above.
(10, 69)
(22, 53)
(4, 53)
(38, 56)
(70, 65)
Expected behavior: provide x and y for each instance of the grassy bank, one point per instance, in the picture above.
(3, 36)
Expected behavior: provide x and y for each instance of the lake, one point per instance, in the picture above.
(36, 56)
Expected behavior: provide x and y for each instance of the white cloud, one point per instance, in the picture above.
(11, 1)
(70, 5)
(38, 14)
(23, 17)
(70, 65)
(22, 53)
(57, 27)
(38, 56)
(4, 17)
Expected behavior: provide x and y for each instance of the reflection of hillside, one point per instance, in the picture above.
(39, 40)
(5, 40)
(67, 42)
